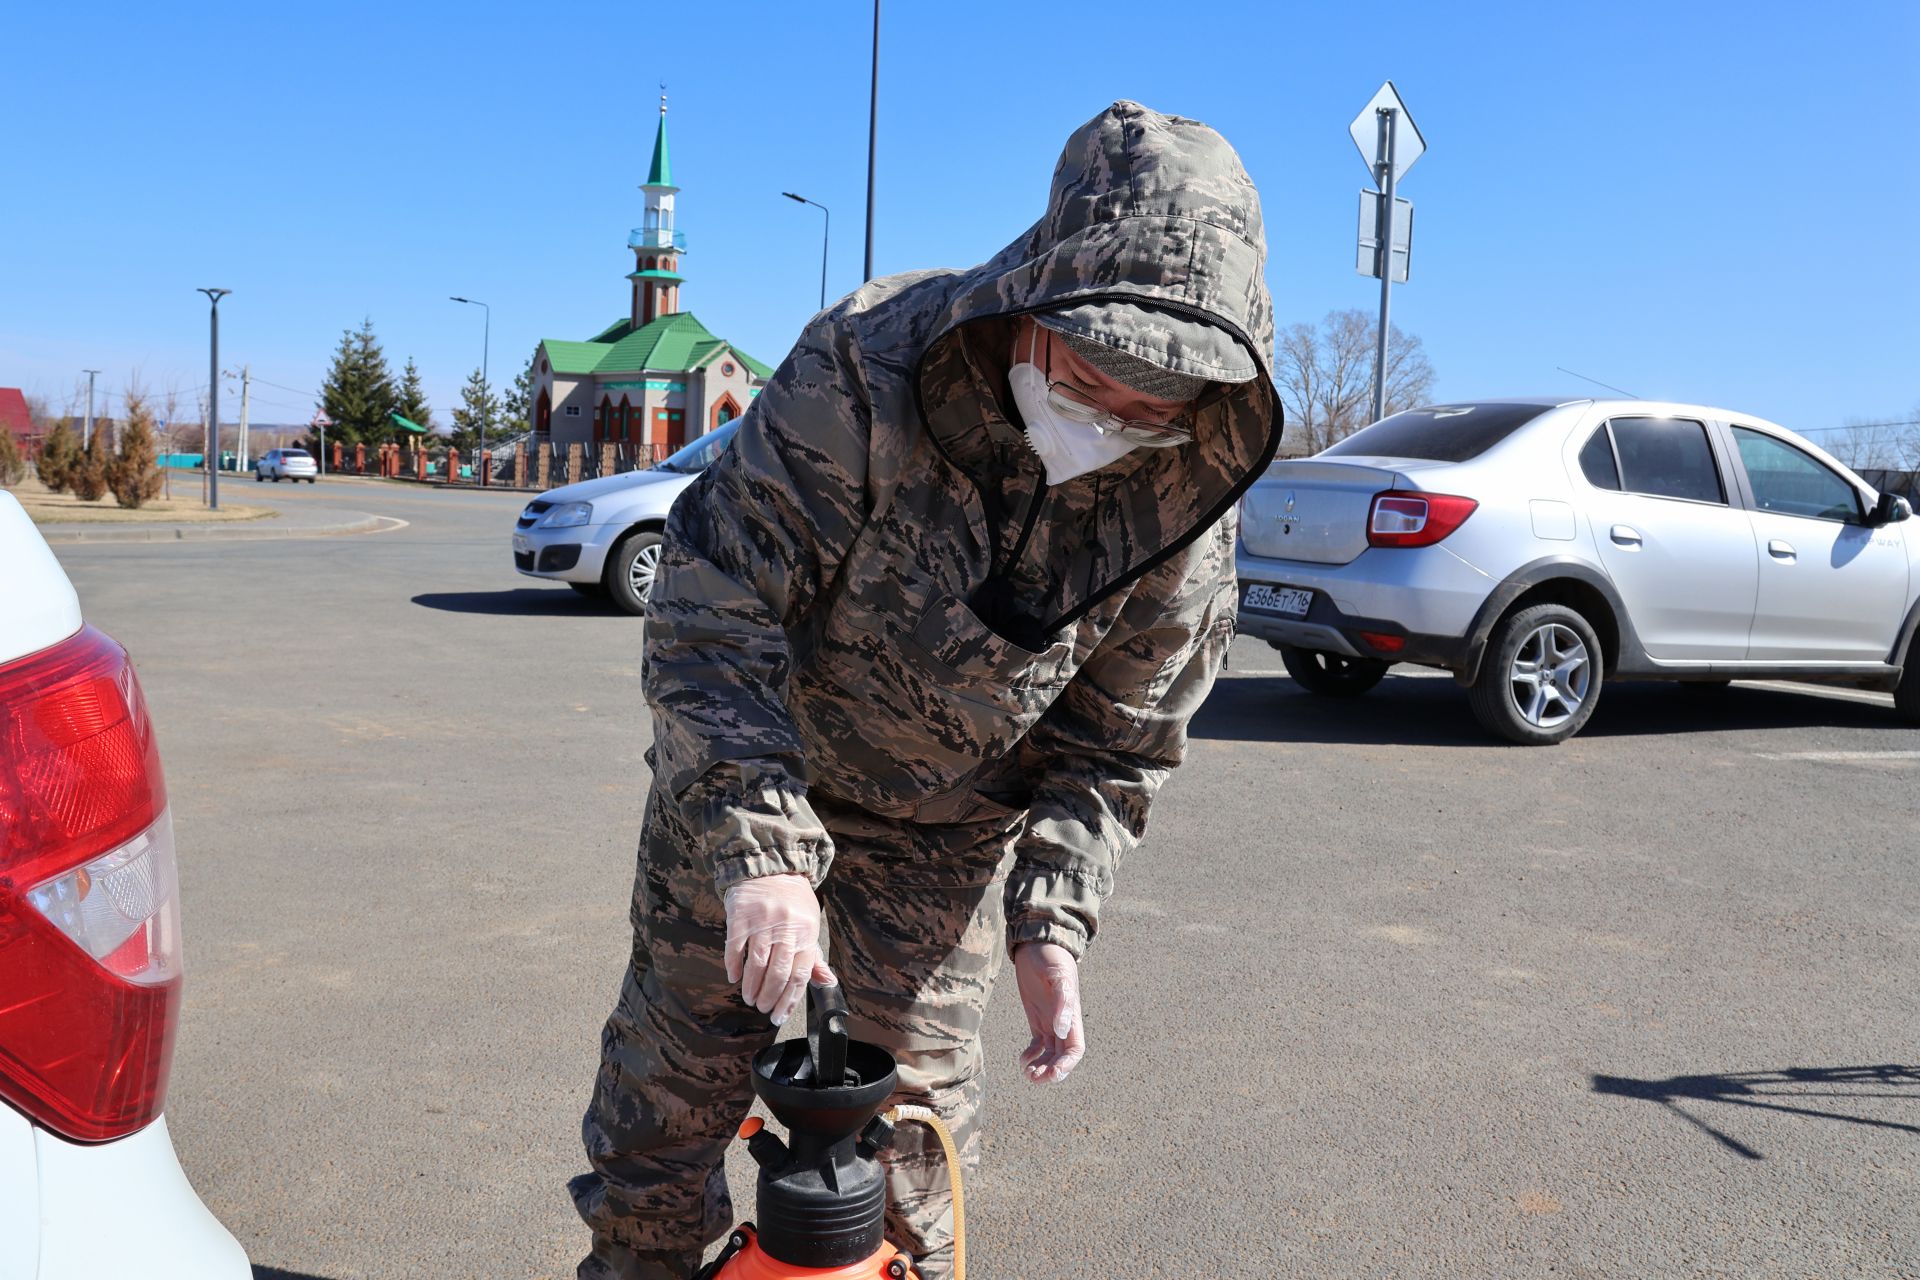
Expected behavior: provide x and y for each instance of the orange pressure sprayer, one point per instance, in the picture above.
(822, 1194)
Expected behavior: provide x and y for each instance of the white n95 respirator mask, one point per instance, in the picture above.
(1066, 448)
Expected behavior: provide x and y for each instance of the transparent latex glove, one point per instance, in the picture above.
(773, 942)
(1049, 979)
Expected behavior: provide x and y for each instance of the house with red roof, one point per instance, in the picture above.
(14, 415)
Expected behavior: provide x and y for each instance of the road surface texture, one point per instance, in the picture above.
(1378, 998)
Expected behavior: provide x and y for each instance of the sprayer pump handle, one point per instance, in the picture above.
(827, 1036)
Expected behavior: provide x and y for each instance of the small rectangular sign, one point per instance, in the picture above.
(1367, 256)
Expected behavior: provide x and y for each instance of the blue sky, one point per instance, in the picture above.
(1706, 202)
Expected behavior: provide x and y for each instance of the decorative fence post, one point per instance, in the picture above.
(576, 456)
(545, 464)
(453, 465)
(420, 464)
(520, 463)
(486, 467)
(606, 457)
(359, 459)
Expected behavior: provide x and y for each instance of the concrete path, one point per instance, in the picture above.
(320, 510)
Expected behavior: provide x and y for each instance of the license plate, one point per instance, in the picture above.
(1292, 601)
(520, 544)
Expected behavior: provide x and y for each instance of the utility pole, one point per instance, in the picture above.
(240, 458)
(86, 435)
(213, 396)
(873, 132)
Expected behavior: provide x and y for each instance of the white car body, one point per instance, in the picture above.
(286, 464)
(1716, 586)
(603, 513)
(70, 1210)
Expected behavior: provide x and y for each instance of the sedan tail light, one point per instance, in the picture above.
(89, 904)
(1404, 519)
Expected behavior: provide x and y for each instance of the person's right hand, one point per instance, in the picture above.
(773, 942)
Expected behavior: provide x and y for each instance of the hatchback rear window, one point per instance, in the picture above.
(1439, 433)
(295, 453)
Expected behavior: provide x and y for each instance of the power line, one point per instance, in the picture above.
(1859, 426)
(295, 390)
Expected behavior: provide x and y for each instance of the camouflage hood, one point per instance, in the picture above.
(1157, 210)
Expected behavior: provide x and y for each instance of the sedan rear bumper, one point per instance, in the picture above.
(1425, 597)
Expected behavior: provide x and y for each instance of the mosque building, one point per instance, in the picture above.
(657, 377)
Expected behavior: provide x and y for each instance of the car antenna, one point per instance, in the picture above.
(1596, 382)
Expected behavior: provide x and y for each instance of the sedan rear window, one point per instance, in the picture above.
(294, 453)
(1668, 458)
(1439, 433)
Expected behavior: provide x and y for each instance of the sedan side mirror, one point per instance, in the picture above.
(1890, 509)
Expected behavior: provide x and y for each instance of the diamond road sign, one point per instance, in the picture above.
(1408, 145)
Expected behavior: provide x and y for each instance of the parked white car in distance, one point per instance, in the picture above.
(89, 954)
(286, 464)
(1536, 548)
(602, 537)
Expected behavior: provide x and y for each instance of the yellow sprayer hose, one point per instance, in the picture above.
(926, 1116)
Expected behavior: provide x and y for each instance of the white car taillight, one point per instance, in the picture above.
(89, 909)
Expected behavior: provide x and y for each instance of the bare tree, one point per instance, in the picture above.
(1326, 376)
(1864, 444)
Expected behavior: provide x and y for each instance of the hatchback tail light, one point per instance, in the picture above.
(89, 904)
(1403, 519)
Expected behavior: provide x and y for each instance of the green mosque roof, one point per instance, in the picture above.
(675, 343)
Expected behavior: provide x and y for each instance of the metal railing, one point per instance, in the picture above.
(657, 238)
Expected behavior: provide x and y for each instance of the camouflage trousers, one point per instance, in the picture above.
(915, 921)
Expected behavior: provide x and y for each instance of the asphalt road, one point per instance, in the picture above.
(1377, 998)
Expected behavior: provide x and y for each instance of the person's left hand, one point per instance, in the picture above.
(1049, 980)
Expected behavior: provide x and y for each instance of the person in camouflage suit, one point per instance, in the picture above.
(901, 682)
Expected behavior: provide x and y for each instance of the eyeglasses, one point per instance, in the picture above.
(1072, 403)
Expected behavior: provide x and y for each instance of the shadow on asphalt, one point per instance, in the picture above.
(520, 600)
(1789, 1089)
(1434, 713)
(275, 1273)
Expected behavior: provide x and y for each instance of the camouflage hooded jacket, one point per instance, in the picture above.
(874, 600)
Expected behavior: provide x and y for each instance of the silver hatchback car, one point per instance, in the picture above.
(1535, 548)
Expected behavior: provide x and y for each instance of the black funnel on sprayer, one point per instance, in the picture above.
(822, 1195)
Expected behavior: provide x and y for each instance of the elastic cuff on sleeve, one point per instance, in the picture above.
(1040, 929)
(810, 862)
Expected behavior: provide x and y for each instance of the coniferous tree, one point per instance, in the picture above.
(13, 466)
(477, 404)
(132, 475)
(87, 477)
(58, 453)
(516, 408)
(413, 398)
(359, 393)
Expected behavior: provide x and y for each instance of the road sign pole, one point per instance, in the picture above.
(1386, 175)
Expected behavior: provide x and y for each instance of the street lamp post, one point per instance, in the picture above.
(486, 390)
(213, 398)
(826, 232)
(873, 132)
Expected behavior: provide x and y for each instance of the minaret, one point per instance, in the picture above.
(657, 246)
